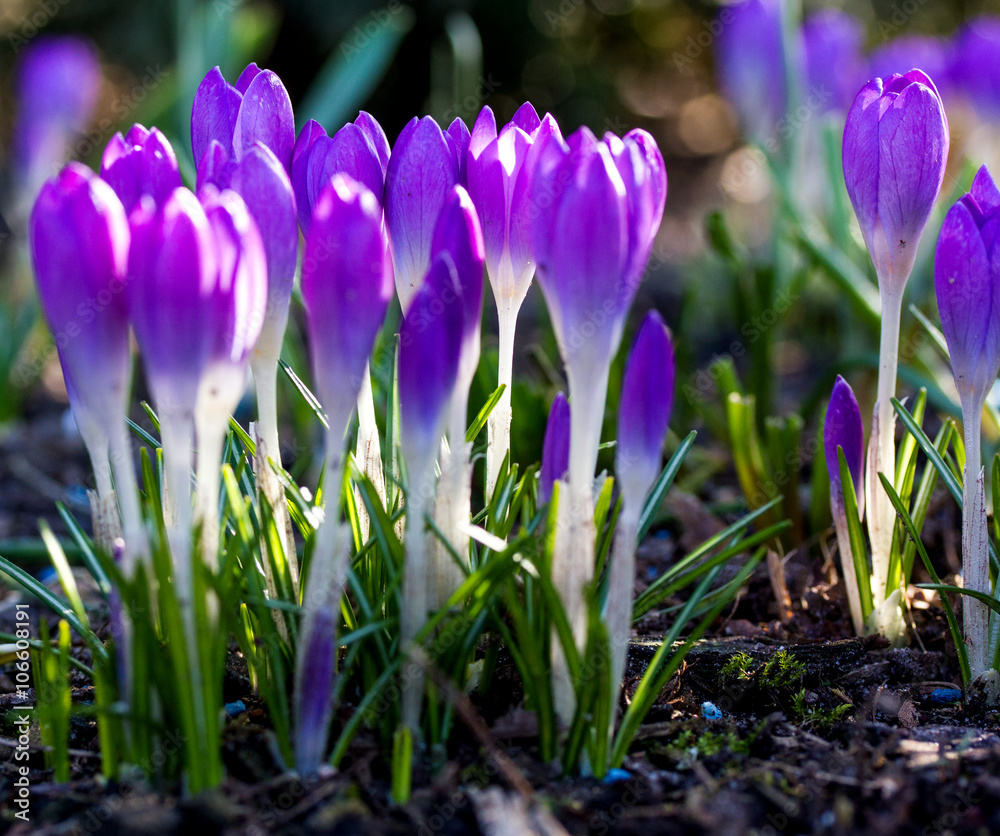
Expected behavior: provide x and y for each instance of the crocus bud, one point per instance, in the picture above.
(894, 155)
(264, 185)
(458, 138)
(647, 398)
(967, 281)
(346, 287)
(843, 428)
(79, 241)
(833, 43)
(555, 448)
(359, 150)
(140, 163)
(58, 81)
(422, 170)
(255, 109)
(750, 61)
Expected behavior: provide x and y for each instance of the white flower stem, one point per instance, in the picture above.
(211, 442)
(136, 545)
(975, 548)
(881, 515)
(498, 424)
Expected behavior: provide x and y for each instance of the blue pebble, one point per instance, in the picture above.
(711, 711)
(945, 696)
(615, 776)
(47, 575)
(235, 709)
(651, 573)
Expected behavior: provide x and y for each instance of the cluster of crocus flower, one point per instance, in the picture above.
(205, 279)
(894, 155)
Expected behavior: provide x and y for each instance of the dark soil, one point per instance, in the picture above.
(807, 732)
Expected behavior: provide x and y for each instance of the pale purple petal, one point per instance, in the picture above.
(555, 448)
(526, 118)
(458, 233)
(249, 74)
(265, 115)
(484, 131)
(214, 113)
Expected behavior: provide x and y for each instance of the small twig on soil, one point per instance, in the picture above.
(9, 743)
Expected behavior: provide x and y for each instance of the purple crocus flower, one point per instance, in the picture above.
(346, 287)
(750, 62)
(843, 429)
(967, 281)
(932, 55)
(359, 149)
(79, 242)
(255, 109)
(833, 43)
(596, 207)
(142, 162)
(895, 151)
(647, 398)
(58, 81)
(499, 182)
(555, 448)
(976, 48)
(423, 168)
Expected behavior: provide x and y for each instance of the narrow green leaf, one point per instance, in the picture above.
(859, 550)
(484, 414)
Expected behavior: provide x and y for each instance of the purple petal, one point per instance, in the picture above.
(484, 131)
(422, 170)
(902, 54)
(311, 132)
(912, 154)
(263, 183)
(860, 157)
(555, 448)
(216, 167)
(376, 136)
(843, 428)
(534, 187)
(458, 138)
(142, 164)
(265, 115)
(346, 287)
(172, 275)
(833, 43)
(983, 198)
(457, 232)
(238, 305)
(526, 118)
(430, 342)
(214, 113)
(644, 409)
(249, 74)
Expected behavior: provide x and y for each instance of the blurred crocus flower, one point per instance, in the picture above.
(79, 240)
(555, 448)
(833, 43)
(58, 82)
(750, 58)
(359, 149)
(430, 344)
(316, 676)
(932, 55)
(255, 109)
(424, 166)
(499, 185)
(975, 55)
(140, 163)
(598, 205)
(647, 399)
(967, 281)
(894, 155)
(843, 429)
(457, 233)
